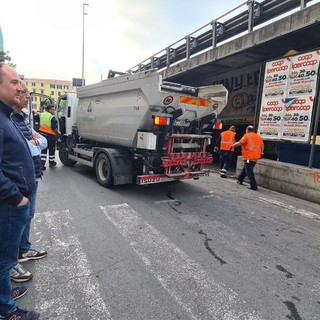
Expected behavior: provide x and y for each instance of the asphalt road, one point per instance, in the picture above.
(206, 249)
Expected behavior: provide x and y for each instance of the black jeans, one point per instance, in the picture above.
(247, 170)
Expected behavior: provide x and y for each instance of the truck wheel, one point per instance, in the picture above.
(103, 170)
(63, 155)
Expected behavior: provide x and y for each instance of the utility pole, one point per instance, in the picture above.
(83, 14)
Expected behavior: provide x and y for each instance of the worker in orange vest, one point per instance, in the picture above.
(223, 145)
(252, 148)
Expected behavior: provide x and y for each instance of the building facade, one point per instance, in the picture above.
(43, 89)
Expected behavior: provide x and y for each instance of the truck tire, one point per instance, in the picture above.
(103, 170)
(63, 155)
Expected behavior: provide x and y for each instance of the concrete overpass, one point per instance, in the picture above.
(213, 57)
(238, 64)
(299, 31)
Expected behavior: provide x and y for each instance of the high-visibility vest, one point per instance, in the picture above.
(252, 148)
(45, 123)
(227, 139)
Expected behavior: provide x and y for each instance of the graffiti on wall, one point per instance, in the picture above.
(243, 100)
(242, 88)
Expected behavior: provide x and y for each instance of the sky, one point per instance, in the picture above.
(45, 37)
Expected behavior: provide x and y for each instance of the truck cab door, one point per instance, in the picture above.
(66, 108)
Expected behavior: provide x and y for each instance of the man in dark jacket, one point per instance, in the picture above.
(17, 185)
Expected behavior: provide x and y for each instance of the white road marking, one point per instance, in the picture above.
(184, 279)
(212, 194)
(291, 209)
(64, 279)
(164, 201)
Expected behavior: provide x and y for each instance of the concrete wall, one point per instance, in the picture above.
(299, 181)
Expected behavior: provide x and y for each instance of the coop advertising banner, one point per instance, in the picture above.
(270, 118)
(274, 91)
(297, 119)
(288, 96)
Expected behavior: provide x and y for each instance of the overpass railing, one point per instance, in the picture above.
(220, 30)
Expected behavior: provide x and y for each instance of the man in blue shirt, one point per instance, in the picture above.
(17, 184)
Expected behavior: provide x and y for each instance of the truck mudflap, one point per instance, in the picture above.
(158, 178)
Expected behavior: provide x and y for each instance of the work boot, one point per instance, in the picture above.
(52, 164)
(223, 173)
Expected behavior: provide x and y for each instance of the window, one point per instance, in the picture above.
(59, 86)
(66, 87)
(59, 93)
(52, 86)
(33, 84)
(42, 91)
(52, 93)
(41, 84)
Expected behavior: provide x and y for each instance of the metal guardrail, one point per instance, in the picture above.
(256, 14)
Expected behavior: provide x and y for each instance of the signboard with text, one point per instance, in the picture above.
(288, 97)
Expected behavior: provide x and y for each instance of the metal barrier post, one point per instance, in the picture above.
(303, 4)
(188, 47)
(250, 4)
(168, 57)
(315, 129)
(214, 33)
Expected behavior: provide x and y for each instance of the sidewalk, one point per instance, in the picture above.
(298, 181)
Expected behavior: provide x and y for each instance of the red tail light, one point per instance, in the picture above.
(160, 121)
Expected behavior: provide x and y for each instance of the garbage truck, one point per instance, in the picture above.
(137, 128)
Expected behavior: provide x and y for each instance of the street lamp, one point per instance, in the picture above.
(83, 14)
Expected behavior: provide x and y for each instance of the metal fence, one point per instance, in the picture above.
(220, 30)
